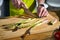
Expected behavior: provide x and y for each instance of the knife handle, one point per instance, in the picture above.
(28, 11)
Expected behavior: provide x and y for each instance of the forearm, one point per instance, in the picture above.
(41, 1)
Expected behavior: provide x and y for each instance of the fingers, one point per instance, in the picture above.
(46, 13)
(13, 1)
(42, 12)
(19, 2)
(16, 3)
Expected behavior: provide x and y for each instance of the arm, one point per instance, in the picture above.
(41, 1)
(41, 10)
(17, 3)
(20, 4)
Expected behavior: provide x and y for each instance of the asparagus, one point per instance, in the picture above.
(25, 21)
(29, 23)
(32, 23)
(38, 22)
(9, 26)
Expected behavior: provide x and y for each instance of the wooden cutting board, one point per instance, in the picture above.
(37, 29)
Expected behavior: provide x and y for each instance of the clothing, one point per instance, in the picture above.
(4, 8)
(29, 3)
(1, 1)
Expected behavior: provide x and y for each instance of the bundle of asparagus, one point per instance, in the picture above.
(24, 23)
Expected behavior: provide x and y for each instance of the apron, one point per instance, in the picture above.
(31, 4)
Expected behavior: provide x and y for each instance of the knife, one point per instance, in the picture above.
(28, 11)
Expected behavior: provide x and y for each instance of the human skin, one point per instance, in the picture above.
(41, 10)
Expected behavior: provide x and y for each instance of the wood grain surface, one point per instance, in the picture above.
(38, 29)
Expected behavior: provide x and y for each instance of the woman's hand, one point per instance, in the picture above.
(18, 3)
(42, 11)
